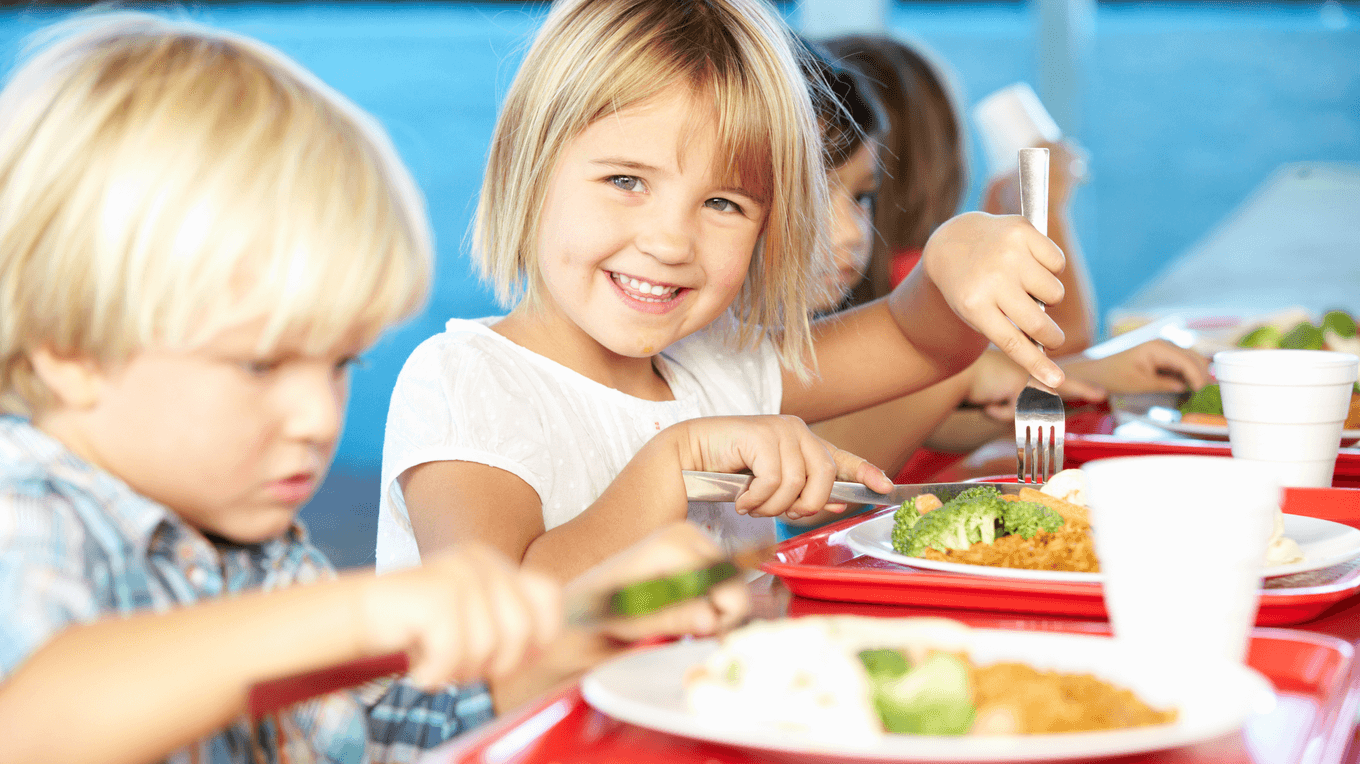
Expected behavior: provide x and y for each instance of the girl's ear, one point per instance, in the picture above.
(73, 381)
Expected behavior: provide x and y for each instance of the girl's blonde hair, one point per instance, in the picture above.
(161, 181)
(593, 58)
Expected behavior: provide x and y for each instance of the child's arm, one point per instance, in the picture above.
(448, 500)
(139, 688)
(979, 272)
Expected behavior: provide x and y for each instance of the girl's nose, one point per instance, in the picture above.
(850, 224)
(667, 236)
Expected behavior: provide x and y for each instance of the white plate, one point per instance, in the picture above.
(1161, 410)
(1323, 542)
(1213, 698)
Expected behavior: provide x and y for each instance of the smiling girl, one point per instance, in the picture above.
(653, 209)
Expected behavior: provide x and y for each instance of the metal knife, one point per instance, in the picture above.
(722, 486)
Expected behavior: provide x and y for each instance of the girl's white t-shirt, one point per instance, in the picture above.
(469, 394)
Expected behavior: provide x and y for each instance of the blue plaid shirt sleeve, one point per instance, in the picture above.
(43, 585)
(404, 722)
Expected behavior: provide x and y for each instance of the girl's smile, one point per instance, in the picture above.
(641, 242)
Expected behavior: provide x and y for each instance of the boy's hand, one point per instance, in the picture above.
(467, 614)
(672, 549)
(793, 469)
(991, 269)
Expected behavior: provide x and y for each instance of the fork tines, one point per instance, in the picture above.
(1040, 424)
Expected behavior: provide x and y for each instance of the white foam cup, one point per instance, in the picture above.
(1011, 119)
(1286, 409)
(1181, 542)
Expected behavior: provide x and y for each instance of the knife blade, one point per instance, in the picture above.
(722, 486)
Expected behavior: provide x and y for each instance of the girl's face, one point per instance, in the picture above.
(640, 244)
(854, 188)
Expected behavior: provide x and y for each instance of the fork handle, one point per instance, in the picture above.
(1034, 198)
(1034, 187)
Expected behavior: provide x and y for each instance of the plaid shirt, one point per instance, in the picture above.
(77, 544)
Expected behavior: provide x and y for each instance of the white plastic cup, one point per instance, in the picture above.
(1181, 542)
(1011, 119)
(1286, 409)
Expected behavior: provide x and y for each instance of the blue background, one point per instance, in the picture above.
(1188, 106)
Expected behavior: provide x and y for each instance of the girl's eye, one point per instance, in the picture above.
(866, 201)
(347, 364)
(723, 205)
(625, 182)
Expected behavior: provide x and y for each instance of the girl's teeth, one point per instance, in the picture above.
(645, 287)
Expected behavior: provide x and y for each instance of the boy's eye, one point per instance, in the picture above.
(625, 182)
(723, 205)
(260, 367)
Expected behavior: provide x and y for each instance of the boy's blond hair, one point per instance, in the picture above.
(595, 57)
(160, 181)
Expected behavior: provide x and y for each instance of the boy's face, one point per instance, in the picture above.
(232, 441)
(640, 242)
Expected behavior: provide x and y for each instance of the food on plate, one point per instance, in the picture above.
(869, 676)
(1282, 550)
(975, 515)
(1205, 407)
(1036, 530)
(1336, 331)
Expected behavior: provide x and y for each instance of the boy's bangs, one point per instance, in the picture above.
(334, 262)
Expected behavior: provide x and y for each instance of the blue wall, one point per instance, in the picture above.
(1188, 107)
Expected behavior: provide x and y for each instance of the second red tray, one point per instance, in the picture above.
(819, 564)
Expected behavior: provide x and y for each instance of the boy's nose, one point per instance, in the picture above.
(314, 408)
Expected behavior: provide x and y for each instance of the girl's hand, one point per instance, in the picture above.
(793, 468)
(991, 269)
(462, 615)
(672, 549)
(1152, 367)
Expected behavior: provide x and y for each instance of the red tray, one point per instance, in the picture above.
(819, 564)
(1313, 676)
(1079, 448)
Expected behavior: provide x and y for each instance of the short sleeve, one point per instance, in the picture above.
(456, 399)
(43, 584)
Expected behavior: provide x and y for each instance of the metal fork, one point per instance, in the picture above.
(1040, 421)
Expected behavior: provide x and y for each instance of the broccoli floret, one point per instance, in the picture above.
(968, 518)
(1026, 518)
(1206, 400)
(934, 698)
(904, 520)
(884, 664)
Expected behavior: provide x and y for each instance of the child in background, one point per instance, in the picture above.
(927, 173)
(655, 198)
(197, 238)
(918, 186)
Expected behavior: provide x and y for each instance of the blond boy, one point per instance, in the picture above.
(197, 237)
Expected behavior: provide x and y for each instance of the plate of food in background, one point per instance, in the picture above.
(924, 689)
(1045, 535)
(1200, 414)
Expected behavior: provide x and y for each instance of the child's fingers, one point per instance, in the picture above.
(1021, 349)
(859, 470)
(522, 627)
